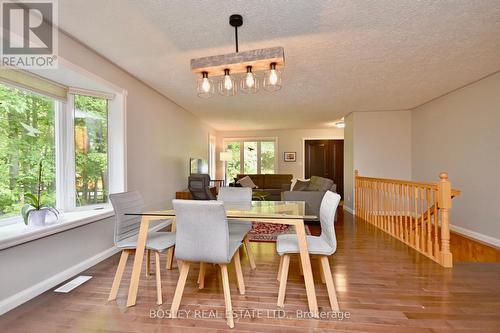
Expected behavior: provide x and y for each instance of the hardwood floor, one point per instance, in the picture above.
(381, 283)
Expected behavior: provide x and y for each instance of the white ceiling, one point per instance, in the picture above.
(341, 56)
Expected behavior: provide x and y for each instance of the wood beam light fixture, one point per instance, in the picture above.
(240, 71)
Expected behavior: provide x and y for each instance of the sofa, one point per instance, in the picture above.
(312, 192)
(273, 184)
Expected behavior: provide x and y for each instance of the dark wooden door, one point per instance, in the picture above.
(325, 158)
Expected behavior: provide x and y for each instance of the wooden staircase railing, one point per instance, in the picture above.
(415, 213)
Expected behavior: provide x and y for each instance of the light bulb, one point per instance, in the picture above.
(273, 77)
(250, 81)
(228, 83)
(205, 85)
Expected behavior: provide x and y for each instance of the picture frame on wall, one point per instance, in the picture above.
(290, 156)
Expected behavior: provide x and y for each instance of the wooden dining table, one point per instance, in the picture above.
(276, 212)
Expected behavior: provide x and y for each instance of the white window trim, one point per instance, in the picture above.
(212, 156)
(16, 234)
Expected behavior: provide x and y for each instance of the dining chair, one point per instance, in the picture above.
(239, 228)
(323, 246)
(125, 238)
(203, 236)
(199, 186)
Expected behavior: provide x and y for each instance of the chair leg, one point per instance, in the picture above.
(227, 296)
(170, 257)
(179, 290)
(329, 284)
(279, 269)
(321, 273)
(239, 273)
(283, 278)
(159, 299)
(148, 262)
(201, 275)
(300, 269)
(118, 275)
(251, 258)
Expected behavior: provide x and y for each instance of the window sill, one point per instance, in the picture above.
(18, 233)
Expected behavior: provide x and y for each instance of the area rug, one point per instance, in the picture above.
(268, 232)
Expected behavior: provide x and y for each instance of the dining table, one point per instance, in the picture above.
(277, 212)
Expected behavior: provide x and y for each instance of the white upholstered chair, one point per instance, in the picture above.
(322, 246)
(238, 228)
(203, 236)
(126, 234)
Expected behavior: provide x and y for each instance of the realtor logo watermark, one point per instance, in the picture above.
(29, 34)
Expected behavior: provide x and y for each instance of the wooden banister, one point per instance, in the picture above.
(414, 212)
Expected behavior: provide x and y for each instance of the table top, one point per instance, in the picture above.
(255, 209)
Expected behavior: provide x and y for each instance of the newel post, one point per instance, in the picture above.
(444, 204)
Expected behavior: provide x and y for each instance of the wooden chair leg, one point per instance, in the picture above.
(279, 269)
(321, 273)
(251, 258)
(332, 295)
(300, 269)
(170, 257)
(201, 275)
(148, 262)
(179, 290)
(239, 273)
(283, 278)
(159, 299)
(227, 296)
(118, 275)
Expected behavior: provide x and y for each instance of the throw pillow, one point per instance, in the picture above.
(300, 185)
(246, 182)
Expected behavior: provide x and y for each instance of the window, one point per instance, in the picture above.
(77, 138)
(91, 150)
(250, 156)
(27, 138)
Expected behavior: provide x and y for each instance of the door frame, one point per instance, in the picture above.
(304, 149)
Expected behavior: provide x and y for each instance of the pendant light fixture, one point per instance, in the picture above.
(205, 86)
(239, 70)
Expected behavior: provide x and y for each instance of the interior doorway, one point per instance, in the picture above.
(325, 158)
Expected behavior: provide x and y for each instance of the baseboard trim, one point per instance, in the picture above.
(349, 210)
(41, 287)
(49, 283)
(476, 236)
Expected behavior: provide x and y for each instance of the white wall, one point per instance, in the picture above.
(460, 133)
(380, 147)
(161, 137)
(288, 141)
(349, 162)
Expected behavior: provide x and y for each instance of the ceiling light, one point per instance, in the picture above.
(272, 78)
(339, 124)
(205, 86)
(224, 68)
(249, 83)
(226, 85)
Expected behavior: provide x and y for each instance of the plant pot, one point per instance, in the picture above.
(37, 218)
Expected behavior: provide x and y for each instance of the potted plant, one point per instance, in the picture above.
(34, 212)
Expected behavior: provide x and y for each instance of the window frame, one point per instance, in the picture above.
(242, 151)
(65, 159)
(212, 153)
